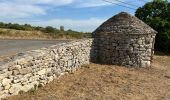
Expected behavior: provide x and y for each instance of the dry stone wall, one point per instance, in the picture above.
(39, 67)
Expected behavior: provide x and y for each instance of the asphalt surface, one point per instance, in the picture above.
(11, 47)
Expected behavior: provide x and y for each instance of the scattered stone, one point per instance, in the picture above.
(50, 79)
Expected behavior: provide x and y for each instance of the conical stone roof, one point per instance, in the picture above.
(124, 23)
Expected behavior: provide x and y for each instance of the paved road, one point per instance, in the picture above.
(10, 47)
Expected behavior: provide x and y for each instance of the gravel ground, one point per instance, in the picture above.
(11, 47)
(108, 82)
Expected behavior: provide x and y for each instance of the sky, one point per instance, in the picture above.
(79, 15)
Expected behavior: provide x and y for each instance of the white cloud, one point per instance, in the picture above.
(91, 3)
(95, 3)
(47, 2)
(11, 10)
(26, 8)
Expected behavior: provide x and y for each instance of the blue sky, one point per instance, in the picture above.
(80, 15)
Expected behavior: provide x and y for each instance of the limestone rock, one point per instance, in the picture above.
(50, 79)
(1, 87)
(15, 72)
(24, 71)
(42, 72)
(6, 74)
(15, 89)
(6, 81)
(14, 67)
(7, 86)
(26, 88)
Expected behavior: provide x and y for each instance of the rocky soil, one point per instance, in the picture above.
(108, 82)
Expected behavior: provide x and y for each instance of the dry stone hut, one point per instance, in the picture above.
(125, 40)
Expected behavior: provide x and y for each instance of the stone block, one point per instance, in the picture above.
(15, 89)
(15, 72)
(24, 71)
(7, 86)
(42, 72)
(145, 64)
(6, 81)
(14, 67)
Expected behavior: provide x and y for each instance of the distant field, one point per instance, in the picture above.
(21, 34)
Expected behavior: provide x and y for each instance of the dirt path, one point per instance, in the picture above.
(103, 82)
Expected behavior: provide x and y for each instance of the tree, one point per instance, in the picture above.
(28, 27)
(157, 15)
(49, 29)
(2, 25)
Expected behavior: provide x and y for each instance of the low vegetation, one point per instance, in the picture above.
(9, 30)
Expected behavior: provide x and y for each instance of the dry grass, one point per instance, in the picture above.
(104, 82)
(19, 34)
